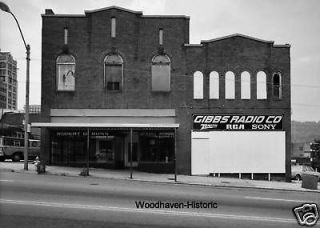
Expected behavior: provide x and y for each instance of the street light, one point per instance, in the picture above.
(5, 8)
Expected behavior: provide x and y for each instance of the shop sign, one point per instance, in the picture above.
(80, 133)
(70, 133)
(111, 131)
(157, 134)
(206, 122)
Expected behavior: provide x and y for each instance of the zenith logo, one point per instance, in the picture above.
(208, 126)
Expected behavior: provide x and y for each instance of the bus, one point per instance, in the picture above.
(13, 148)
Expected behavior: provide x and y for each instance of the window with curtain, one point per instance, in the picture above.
(161, 73)
(65, 73)
(113, 72)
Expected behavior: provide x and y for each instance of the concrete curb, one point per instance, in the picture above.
(160, 181)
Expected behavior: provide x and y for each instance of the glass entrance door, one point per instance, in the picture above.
(104, 151)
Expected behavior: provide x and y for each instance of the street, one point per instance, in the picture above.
(60, 201)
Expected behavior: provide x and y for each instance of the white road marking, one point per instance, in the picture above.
(276, 199)
(6, 181)
(147, 211)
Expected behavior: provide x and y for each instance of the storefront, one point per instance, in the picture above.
(240, 144)
(110, 145)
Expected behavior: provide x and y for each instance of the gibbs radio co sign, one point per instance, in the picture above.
(207, 122)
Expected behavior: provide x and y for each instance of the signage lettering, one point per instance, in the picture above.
(237, 122)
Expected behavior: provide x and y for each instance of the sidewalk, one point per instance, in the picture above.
(161, 178)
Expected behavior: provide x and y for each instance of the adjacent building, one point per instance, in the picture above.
(300, 152)
(12, 125)
(8, 82)
(34, 108)
(125, 89)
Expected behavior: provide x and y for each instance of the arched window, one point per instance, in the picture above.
(214, 85)
(113, 72)
(65, 73)
(261, 85)
(161, 73)
(276, 86)
(230, 85)
(198, 85)
(245, 85)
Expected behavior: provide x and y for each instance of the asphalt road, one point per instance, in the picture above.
(28, 200)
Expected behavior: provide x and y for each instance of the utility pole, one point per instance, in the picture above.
(5, 8)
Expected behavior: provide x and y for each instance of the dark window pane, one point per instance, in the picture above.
(276, 86)
(276, 79)
(113, 86)
(113, 72)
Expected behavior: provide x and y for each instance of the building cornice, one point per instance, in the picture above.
(112, 7)
(166, 16)
(236, 35)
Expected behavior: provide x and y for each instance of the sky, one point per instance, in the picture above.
(294, 22)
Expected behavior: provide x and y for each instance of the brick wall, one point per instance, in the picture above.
(137, 42)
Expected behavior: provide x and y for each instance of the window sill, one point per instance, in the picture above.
(113, 91)
(65, 91)
(154, 162)
(161, 91)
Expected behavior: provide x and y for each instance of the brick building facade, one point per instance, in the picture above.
(127, 81)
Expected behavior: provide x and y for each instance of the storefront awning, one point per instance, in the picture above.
(104, 125)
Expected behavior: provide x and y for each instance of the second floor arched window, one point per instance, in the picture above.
(245, 85)
(65, 72)
(161, 73)
(198, 85)
(113, 72)
(276, 86)
(214, 85)
(261, 85)
(230, 85)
